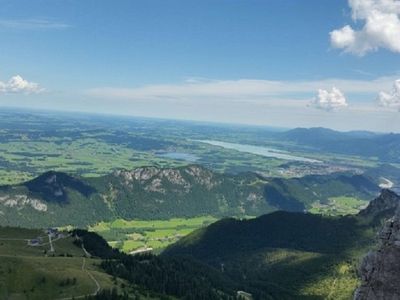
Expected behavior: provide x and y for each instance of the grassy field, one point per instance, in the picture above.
(85, 156)
(158, 234)
(24, 158)
(33, 272)
(339, 206)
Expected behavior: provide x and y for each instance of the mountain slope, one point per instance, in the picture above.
(298, 194)
(53, 186)
(57, 199)
(305, 255)
(32, 271)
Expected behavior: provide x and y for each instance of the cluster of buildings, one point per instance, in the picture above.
(51, 233)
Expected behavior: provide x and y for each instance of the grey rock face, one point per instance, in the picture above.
(380, 270)
(387, 201)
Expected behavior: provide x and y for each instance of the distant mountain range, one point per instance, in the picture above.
(286, 255)
(58, 199)
(386, 147)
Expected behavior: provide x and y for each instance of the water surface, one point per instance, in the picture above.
(260, 150)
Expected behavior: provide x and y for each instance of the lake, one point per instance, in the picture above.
(260, 150)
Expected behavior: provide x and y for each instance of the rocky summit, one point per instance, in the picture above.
(380, 269)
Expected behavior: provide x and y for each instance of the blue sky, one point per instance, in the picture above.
(229, 61)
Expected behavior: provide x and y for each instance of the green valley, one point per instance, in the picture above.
(143, 234)
(339, 206)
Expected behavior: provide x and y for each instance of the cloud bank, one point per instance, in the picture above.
(381, 27)
(17, 84)
(391, 99)
(243, 90)
(32, 24)
(329, 100)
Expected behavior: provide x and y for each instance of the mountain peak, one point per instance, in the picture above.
(52, 186)
(387, 202)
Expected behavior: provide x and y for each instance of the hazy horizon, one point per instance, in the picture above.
(267, 127)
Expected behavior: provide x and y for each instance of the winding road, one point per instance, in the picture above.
(98, 286)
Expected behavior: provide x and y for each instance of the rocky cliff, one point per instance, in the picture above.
(380, 269)
(386, 203)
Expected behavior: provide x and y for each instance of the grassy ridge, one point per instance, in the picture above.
(33, 272)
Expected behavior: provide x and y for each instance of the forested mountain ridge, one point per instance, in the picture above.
(57, 199)
(286, 255)
(384, 146)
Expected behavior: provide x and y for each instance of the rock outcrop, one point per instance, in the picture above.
(380, 269)
(387, 201)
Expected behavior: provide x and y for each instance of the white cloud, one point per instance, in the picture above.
(244, 90)
(329, 100)
(381, 27)
(17, 84)
(392, 99)
(32, 24)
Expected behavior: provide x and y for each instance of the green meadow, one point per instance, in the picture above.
(157, 234)
(339, 206)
